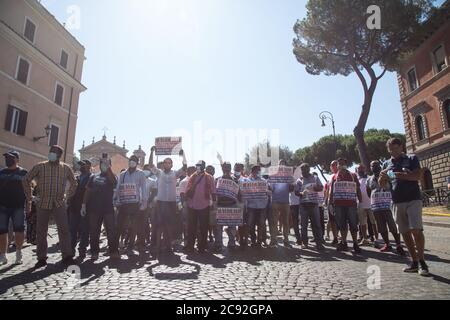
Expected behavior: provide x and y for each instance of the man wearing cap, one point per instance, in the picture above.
(12, 200)
(132, 200)
(51, 177)
(78, 222)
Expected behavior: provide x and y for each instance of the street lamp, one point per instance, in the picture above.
(326, 115)
(47, 129)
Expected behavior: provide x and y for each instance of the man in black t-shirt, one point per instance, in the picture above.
(12, 201)
(98, 203)
(403, 173)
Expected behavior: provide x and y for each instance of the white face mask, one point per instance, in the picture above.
(133, 164)
(52, 157)
(147, 173)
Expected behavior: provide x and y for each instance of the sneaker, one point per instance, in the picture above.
(304, 246)
(386, 248)
(231, 245)
(115, 256)
(273, 244)
(400, 250)
(320, 247)
(423, 269)
(335, 242)
(340, 247)
(19, 258)
(327, 238)
(3, 259)
(356, 248)
(299, 242)
(40, 264)
(69, 261)
(94, 256)
(287, 244)
(364, 242)
(413, 268)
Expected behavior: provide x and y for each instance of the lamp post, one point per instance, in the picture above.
(47, 129)
(326, 115)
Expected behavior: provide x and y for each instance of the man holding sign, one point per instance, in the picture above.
(308, 188)
(344, 194)
(255, 191)
(381, 202)
(281, 181)
(228, 212)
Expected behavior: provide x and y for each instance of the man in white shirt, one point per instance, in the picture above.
(365, 214)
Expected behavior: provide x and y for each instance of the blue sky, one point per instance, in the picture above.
(158, 67)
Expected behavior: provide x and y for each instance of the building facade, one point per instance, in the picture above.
(118, 155)
(41, 67)
(424, 82)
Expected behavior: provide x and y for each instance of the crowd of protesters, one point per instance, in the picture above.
(161, 210)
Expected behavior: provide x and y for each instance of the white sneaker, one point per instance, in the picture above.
(19, 257)
(3, 259)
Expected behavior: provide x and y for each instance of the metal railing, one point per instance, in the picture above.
(436, 197)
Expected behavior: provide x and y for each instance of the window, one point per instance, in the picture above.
(30, 30)
(412, 80)
(59, 94)
(439, 59)
(447, 112)
(427, 180)
(64, 59)
(420, 128)
(23, 71)
(54, 135)
(16, 120)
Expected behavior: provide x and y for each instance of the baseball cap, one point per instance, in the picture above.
(12, 153)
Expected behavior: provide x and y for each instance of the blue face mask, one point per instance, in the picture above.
(237, 174)
(52, 157)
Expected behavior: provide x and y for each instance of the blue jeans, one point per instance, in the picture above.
(79, 229)
(17, 215)
(257, 217)
(313, 213)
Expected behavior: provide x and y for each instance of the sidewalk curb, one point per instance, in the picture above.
(436, 224)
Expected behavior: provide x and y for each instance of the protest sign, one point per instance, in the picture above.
(227, 188)
(281, 174)
(166, 146)
(229, 217)
(253, 190)
(344, 190)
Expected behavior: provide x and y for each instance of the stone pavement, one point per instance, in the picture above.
(273, 274)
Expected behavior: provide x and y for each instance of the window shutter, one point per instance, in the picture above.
(8, 120)
(59, 95)
(64, 59)
(22, 75)
(22, 123)
(30, 30)
(54, 136)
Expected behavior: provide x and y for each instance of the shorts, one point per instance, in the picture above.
(17, 215)
(346, 217)
(408, 215)
(363, 214)
(385, 221)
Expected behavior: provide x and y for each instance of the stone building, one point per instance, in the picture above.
(41, 66)
(424, 82)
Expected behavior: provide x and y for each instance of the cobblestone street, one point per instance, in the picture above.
(278, 273)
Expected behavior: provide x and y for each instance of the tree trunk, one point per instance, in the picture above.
(319, 167)
(360, 128)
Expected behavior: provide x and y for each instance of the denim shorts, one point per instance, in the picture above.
(346, 216)
(17, 215)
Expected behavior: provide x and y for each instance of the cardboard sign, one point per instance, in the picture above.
(227, 188)
(253, 190)
(128, 193)
(281, 174)
(380, 201)
(344, 190)
(167, 146)
(230, 217)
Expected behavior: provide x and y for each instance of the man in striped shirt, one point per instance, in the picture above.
(52, 177)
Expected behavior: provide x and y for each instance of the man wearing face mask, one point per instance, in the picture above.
(78, 222)
(98, 201)
(166, 201)
(382, 209)
(344, 194)
(51, 178)
(257, 211)
(199, 192)
(152, 190)
(12, 201)
(132, 200)
(242, 231)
